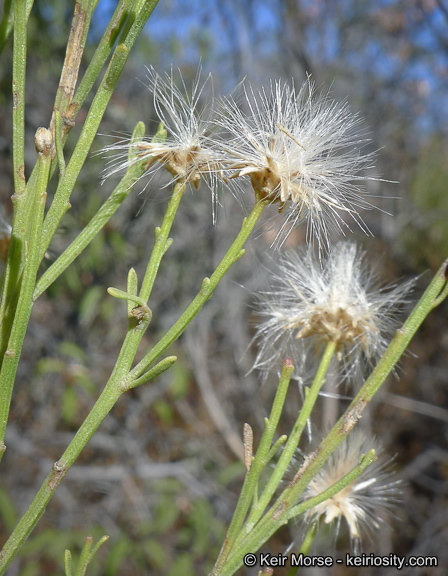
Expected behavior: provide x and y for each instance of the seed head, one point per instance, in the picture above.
(364, 503)
(313, 302)
(187, 153)
(302, 151)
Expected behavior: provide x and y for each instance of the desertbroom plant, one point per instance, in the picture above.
(300, 151)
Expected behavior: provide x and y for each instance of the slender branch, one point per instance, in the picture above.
(162, 242)
(305, 547)
(7, 23)
(284, 508)
(60, 202)
(257, 465)
(117, 384)
(309, 539)
(208, 286)
(100, 56)
(365, 461)
(93, 70)
(70, 69)
(294, 438)
(398, 345)
(10, 362)
(275, 518)
(235, 534)
(156, 370)
(18, 94)
(98, 221)
(23, 207)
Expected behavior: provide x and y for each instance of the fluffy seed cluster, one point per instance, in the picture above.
(364, 503)
(313, 302)
(188, 153)
(301, 150)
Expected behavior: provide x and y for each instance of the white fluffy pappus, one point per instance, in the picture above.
(312, 302)
(188, 153)
(300, 150)
(365, 503)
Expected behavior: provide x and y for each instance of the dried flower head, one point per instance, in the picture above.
(338, 300)
(300, 150)
(364, 503)
(187, 153)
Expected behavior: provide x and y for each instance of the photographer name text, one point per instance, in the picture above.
(364, 560)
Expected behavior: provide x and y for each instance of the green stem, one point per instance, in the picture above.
(309, 539)
(102, 407)
(305, 547)
(347, 422)
(258, 463)
(156, 370)
(162, 242)
(60, 202)
(294, 438)
(25, 303)
(365, 461)
(58, 137)
(7, 23)
(259, 508)
(101, 54)
(118, 383)
(94, 68)
(18, 93)
(208, 286)
(280, 512)
(22, 207)
(98, 221)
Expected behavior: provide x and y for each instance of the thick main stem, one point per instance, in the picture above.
(117, 384)
(35, 510)
(120, 380)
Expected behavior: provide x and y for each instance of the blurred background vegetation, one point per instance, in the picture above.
(162, 474)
